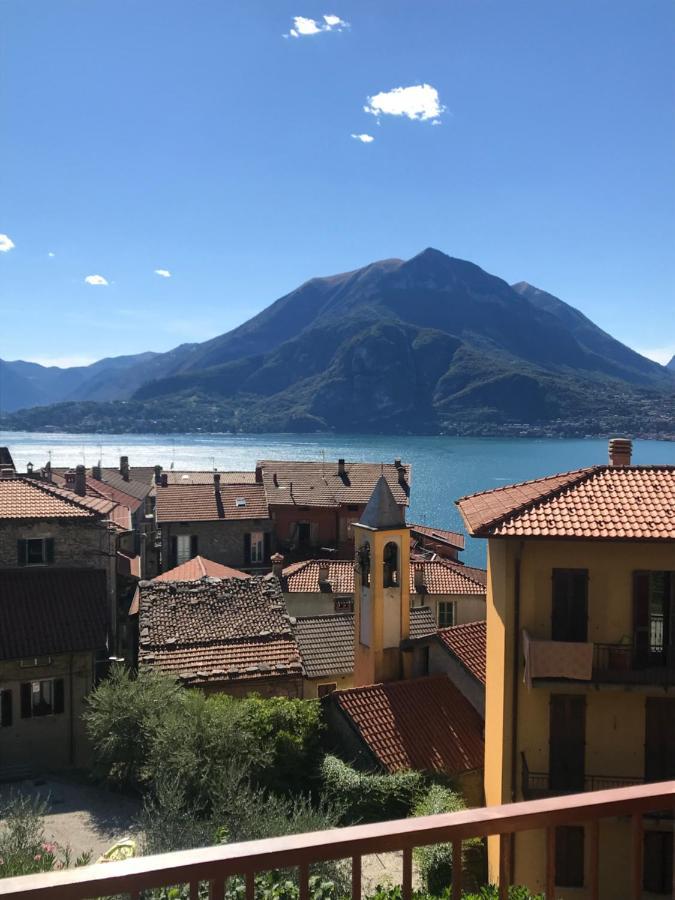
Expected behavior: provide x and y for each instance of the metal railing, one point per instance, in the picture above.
(536, 785)
(215, 865)
(625, 664)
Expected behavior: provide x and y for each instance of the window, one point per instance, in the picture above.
(41, 698)
(35, 552)
(446, 613)
(325, 689)
(658, 862)
(240, 502)
(390, 565)
(569, 856)
(304, 532)
(257, 547)
(5, 708)
(569, 605)
(186, 548)
(344, 604)
(654, 617)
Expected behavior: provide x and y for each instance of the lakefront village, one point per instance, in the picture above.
(249, 654)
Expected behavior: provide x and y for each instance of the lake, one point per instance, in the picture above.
(444, 468)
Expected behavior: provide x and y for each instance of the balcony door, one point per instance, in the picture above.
(569, 606)
(567, 742)
(659, 739)
(654, 618)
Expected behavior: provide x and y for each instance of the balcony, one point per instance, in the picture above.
(536, 785)
(625, 663)
(213, 866)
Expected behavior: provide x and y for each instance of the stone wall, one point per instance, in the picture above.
(221, 541)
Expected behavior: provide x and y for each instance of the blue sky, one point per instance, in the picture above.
(204, 139)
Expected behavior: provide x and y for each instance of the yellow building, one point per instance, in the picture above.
(580, 680)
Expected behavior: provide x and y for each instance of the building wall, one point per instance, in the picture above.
(311, 686)
(443, 663)
(615, 715)
(221, 541)
(52, 742)
(264, 687)
(314, 603)
(468, 607)
(319, 603)
(329, 526)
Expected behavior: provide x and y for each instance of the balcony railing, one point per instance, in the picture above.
(215, 865)
(536, 785)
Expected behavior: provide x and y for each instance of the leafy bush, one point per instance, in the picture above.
(365, 797)
(488, 892)
(23, 848)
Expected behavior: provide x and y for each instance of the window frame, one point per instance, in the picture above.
(56, 697)
(183, 539)
(440, 610)
(257, 547)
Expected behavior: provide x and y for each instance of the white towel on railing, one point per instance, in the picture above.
(557, 659)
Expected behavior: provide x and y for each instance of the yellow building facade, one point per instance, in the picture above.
(580, 679)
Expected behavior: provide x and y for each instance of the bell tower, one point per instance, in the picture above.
(381, 588)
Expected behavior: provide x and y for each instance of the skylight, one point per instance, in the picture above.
(240, 501)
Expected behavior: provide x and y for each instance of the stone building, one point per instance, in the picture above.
(53, 641)
(224, 522)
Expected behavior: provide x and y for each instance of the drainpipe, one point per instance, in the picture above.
(514, 696)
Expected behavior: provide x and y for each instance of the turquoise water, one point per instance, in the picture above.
(444, 468)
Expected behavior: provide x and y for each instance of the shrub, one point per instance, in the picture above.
(366, 797)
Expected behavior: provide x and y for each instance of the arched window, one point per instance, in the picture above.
(363, 563)
(390, 562)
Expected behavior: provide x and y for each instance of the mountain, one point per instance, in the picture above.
(671, 365)
(424, 345)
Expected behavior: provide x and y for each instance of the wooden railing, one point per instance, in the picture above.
(214, 865)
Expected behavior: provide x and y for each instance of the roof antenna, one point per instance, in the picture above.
(213, 463)
(173, 453)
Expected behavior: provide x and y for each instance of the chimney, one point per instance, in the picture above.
(80, 480)
(277, 561)
(48, 470)
(69, 478)
(96, 471)
(124, 467)
(620, 451)
(258, 475)
(158, 474)
(397, 463)
(341, 467)
(164, 479)
(323, 571)
(216, 482)
(420, 587)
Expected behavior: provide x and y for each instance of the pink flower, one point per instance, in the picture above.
(37, 857)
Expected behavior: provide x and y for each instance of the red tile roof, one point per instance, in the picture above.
(29, 498)
(96, 488)
(197, 568)
(50, 611)
(425, 724)
(305, 483)
(467, 643)
(440, 577)
(602, 502)
(327, 642)
(202, 503)
(453, 538)
(216, 630)
(205, 476)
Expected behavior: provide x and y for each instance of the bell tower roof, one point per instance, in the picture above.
(382, 511)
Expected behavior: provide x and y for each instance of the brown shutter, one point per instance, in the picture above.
(20, 553)
(173, 553)
(247, 548)
(5, 708)
(194, 546)
(268, 545)
(49, 550)
(26, 700)
(58, 695)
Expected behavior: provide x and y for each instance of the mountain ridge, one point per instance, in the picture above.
(428, 344)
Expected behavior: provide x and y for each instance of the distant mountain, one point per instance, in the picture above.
(424, 345)
(671, 365)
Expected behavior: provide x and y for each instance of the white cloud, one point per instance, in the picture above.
(6, 243)
(364, 138)
(95, 279)
(163, 273)
(661, 355)
(302, 26)
(51, 255)
(419, 101)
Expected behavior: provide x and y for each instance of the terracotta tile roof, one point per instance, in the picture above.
(602, 502)
(96, 488)
(30, 498)
(206, 477)
(306, 483)
(326, 644)
(440, 577)
(141, 480)
(467, 643)
(216, 629)
(453, 538)
(422, 621)
(424, 724)
(202, 503)
(197, 568)
(49, 611)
